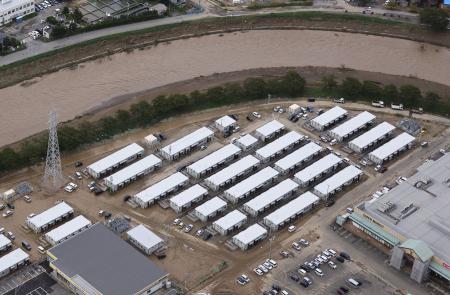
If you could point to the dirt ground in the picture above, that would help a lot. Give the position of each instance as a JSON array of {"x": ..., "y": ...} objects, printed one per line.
[
  {"x": 189, "y": 259},
  {"x": 15, "y": 74}
]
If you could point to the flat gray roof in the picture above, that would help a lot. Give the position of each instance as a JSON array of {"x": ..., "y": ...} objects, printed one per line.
[
  {"x": 188, "y": 195},
  {"x": 116, "y": 158},
  {"x": 317, "y": 167},
  {"x": 134, "y": 169},
  {"x": 68, "y": 228},
  {"x": 298, "y": 156},
  {"x": 162, "y": 187},
  {"x": 252, "y": 182},
  {"x": 272, "y": 194},
  {"x": 338, "y": 179},
  {"x": 187, "y": 141},
  {"x": 230, "y": 220},
  {"x": 247, "y": 140},
  {"x": 353, "y": 124},
  {"x": 279, "y": 144},
  {"x": 329, "y": 116},
  {"x": 420, "y": 213},
  {"x": 233, "y": 170},
  {"x": 393, "y": 145},
  {"x": 372, "y": 135},
  {"x": 270, "y": 128},
  {"x": 293, "y": 207},
  {"x": 214, "y": 158},
  {"x": 99, "y": 258},
  {"x": 144, "y": 236},
  {"x": 50, "y": 214},
  {"x": 250, "y": 234},
  {"x": 211, "y": 206}
]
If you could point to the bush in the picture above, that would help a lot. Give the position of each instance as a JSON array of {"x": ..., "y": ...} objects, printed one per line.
[
  {"x": 350, "y": 88},
  {"x": 328, "y": 83},
  {"x": 52, "y": 20},
  {"x": 435, "y": 18},
  {"x": 410, "y": 96}
]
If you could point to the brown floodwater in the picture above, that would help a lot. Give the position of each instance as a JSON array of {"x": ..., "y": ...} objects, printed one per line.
[{"x": 24, "y": 108}]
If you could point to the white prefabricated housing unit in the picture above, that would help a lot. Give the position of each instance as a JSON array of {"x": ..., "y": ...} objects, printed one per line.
[
  {"x": 229, "y": 174},
  {"x": 250, "y": 236},
  {"x": 160, "y": 189},
  {"x": 5, "y": 243},
  {"x": 293, "y": 109},
  {"x": 225, "y": 123},
  {"x": 188, "y": 197},
  {"x": 317, "y": 169},
  {"x": 247, "y": 142},
  {"x": 297, "y": 158},
  {"x": 49, "y": 217},
  {"x": 291, "y": 210},
  {"x": 337, "y": 182},
  {"x": 210, "y": 208},
  {"x": 144, "y": 239},
  {"x": 185, "y": 144},
  {"x": 214, "y": 160},
  {"x": 350, "y": 127},
  {"x": 330, "y": 117},
  {"x": 151, "y": 141},
  {"x": 391, "y": 148},
  {"x": 279, "y": 146},
  {"x": 269, "y": 130},
  {"x": 12, "y": 261},
  {"x": 115, "y": 160},
  {"x": 272, "y": 196},
  {"x": 9, "y": 195},
  {"x": 233, "y": 220},
  {"x": 249, "y": 185},
  {"x": 130, "y": 173},
  {"x": 67, "y": 230},
  {"x": 371, "y": 137}
]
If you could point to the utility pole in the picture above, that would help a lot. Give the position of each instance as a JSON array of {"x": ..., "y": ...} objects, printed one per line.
[{"x": 53, "y": 177}]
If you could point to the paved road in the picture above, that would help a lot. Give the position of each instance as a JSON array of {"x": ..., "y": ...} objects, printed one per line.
[{"x": 35, "y": 47}]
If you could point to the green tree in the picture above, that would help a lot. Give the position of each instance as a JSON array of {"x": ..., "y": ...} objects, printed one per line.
[
  {"x": 65, "y": 11},
  {"x": 410, "y": 96},
  {"x": 435, "y": 18},
  {"x": 77, "y": 16},
  {"x": 371, "y": 90},
  {"x": 292, "y": 84},
  {"x": 329, "y": 83},
  {"x": 58, "y": 31},
  {"x": 390, "y": 93},
  {"x": 52, "y": 20},
  {"x": 351, "y": 88},
  {"x": 255, "y": 88},
  {"x": 431, "y": 102}
]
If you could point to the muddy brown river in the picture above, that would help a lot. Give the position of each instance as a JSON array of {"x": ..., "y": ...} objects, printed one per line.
[{"x": 24, "y": 108}]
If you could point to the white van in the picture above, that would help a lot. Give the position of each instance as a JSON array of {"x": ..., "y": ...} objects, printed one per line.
[{"x": 353, "y": 282}]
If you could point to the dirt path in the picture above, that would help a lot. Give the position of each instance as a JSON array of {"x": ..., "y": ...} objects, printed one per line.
[{"x": 74, "y": 91}]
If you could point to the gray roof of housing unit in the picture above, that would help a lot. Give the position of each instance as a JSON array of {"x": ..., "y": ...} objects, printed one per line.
[
  {"x": 233, "y": 170},
  {"x": 337, "y": 180},
  {"x": 230, "y": 220},
  {"x": 318, "y": 167},
  {"x": 279, "y": 144},
  {"x": 162, "y": 187},
  {"x": 211, "y": 206},
  {"x": 4, "y": 241},
  {"x": 116, "y": 158},
  {"x": 50, "y": 214},
  {"x": 225, "y": 121},
  {"x": 298, "y": 156},
  {"x": 372, "y": 135},
  {"x": 411, "y": 126},
  {"x": 247, "y": 140},
  {"x": 393, "y": 145},
  {"x": 144, "y": 236},
  {"x": 353, "y": 124},
  {"x": 252, "y": 182},
  {"x": 419, "y": 208},
  {"x": 214, "y": 158},
  {"x": 270, "y": 128},
  {"x": 134, "y": 169},
  {"x": 293, "y": 207},
  {"x": 272, "y": 194},
  {"x": 12, "y": 258},
  {"x": 330, "y": 116},
  {"x": 187, "y": 141},
  {"x": 99, "y": 258},
  {"x": 250, "y": 234},
  {"x": 188, "y": 195},
  {"x": 68, "y": 228}
]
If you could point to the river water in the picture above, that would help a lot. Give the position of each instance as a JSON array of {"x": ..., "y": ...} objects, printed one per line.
[{"x": 24, "y": 108}]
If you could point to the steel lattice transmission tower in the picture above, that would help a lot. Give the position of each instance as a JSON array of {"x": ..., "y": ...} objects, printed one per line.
[{"x": 53, "y": 177}]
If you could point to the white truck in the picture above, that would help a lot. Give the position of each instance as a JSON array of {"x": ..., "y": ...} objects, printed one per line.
[
  {"x": 378, "y": 104},
  {"x": 397, "y": 106},
  {"x": 340, "y": 100}
]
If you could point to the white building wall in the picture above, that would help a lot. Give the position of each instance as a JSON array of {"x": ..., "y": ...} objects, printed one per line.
[{"x": 15, "y": 8}]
